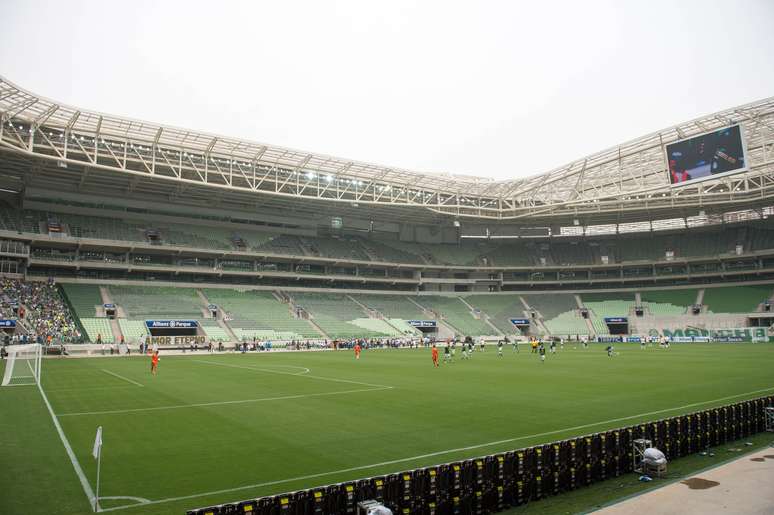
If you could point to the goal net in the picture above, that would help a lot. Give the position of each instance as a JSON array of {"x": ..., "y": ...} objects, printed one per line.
[{"x": 22, "y": 365}]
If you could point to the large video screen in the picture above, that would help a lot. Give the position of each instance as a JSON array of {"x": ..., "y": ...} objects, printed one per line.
[{"x": 706, "y": 156}]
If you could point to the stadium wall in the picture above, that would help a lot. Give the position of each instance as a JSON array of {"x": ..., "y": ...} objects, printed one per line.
[
  {"x": 390, "y": 277},
  {"x": 247, "y": 287}
]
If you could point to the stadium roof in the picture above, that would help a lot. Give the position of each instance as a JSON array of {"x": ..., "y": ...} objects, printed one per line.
[{"x": 44, "y": 142}]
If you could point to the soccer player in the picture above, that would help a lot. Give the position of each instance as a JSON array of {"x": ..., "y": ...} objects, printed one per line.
[
  {"x": 464, "y": 351},
  {"x": 542, "y": 352},
  {"x": 435, "y": 355},
  {"x": 482, "y": 344},
  {"x": 500, "y": 349},
  {"x": 553, "y": 347},
  {"x": 609, "y": 351},
  {"x": 446, "y": 354},
  {"x": 357, "y": 351},
  {"x": 154, "y": 362}
]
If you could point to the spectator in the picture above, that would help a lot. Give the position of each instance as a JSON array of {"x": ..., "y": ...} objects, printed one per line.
[{"x": 43, "y": 308}]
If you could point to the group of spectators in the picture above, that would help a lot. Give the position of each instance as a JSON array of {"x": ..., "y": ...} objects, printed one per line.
[
  {"x": 382, "y": 343},
  {"x": 40, "y": 308},
  {"x": 365, "y": 343}
]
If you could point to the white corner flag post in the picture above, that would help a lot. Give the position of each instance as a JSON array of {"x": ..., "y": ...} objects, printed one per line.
[{"x": 97, "y": 453}]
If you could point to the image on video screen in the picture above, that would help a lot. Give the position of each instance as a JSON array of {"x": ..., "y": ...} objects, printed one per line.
[{"x": 710, "y": 154}]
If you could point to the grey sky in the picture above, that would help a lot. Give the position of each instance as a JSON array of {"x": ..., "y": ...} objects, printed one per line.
[{"x": 501, "y": 89}]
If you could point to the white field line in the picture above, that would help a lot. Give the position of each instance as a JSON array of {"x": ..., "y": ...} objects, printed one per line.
[
  {"x": 304, "y": 370},
  {"x": 440, "y": 453},
  {"x": 19, "y": 384},
  {"x": 130, "y": 497},
  {"x": 121, "y": 377},
  {"x": 92, "y": 388},
  {"x": 77, "y": 466},
  {"x": 220, "y": 403},
  {"x": 335, "y": 380}
]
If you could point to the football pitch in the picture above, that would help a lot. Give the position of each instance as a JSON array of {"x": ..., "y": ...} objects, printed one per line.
[{"x": 212, "y": 428}]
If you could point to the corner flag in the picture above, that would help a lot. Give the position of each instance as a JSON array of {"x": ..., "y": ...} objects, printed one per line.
[
  {"x": 97, "y": 453},
  {"x": 97, "y": 443}
]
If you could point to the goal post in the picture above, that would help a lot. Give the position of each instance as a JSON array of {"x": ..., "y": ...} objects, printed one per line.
[{"x": 22, "y": 365}]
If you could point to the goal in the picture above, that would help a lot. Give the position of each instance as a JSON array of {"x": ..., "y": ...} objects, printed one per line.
[{"x": 22, "y": 366}]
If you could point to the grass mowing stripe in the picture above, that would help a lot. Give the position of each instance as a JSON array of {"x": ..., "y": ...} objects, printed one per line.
[
  {"x": 219, "y": 403},
  {"x": 121, "y": 377},
  {"x": 336, "y": 380},
  {"x": 96, "y": 388},
  {"x": 304, "y": 370},
  {"x": 77, "y": 466},
  {"x": 441, "y": 453},
  {"x": 430, "y": 409}
]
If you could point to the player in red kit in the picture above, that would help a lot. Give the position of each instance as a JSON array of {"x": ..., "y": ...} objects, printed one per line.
[
  {"x": 435, "y": 355},
  {"x": 357, "y": 351},
  {"x": 154, "y": 362}
]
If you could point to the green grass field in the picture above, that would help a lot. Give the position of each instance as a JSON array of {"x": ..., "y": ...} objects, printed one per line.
[{"x": 216, "y": 428}]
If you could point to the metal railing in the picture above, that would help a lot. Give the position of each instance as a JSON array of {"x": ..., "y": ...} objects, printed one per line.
[{"x": 17, "y": 248}]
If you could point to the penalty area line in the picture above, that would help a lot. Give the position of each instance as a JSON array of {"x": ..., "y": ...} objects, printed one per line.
[
  {"x": 439, "y": 453},
  {"x": 335, "y": 380},
  {"x": 220, "y": 403},
  {"x": 119, "y": 376},
  {"x": 139, "y": 500}
]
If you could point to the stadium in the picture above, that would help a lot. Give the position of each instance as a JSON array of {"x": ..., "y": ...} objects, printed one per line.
[{"x": 255, "y": 270}]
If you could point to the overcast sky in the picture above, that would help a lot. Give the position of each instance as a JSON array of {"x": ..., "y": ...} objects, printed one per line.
[{"x": 498, "y": 89}]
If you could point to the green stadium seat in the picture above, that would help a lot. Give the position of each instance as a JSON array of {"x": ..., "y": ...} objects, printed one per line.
[
  {"x": 335, "y": 314},
  {"x": 214, "y": 331},
  {"x": 84, "y": 298},
  {"x": 500, "y": 309},
  {"x": 736, "y": 299},
  {"x": 391, "y": 306},
  {"x": 133, "y": 330},
  {"x": 668, "y": 302},
  {"x": 457, "y": 314},
  {"x": 98, "y": 326},
  {"x": 158, "y": 303},
  {"x": 551, "y": 305},
  {"x": 258, "y": 314}
]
